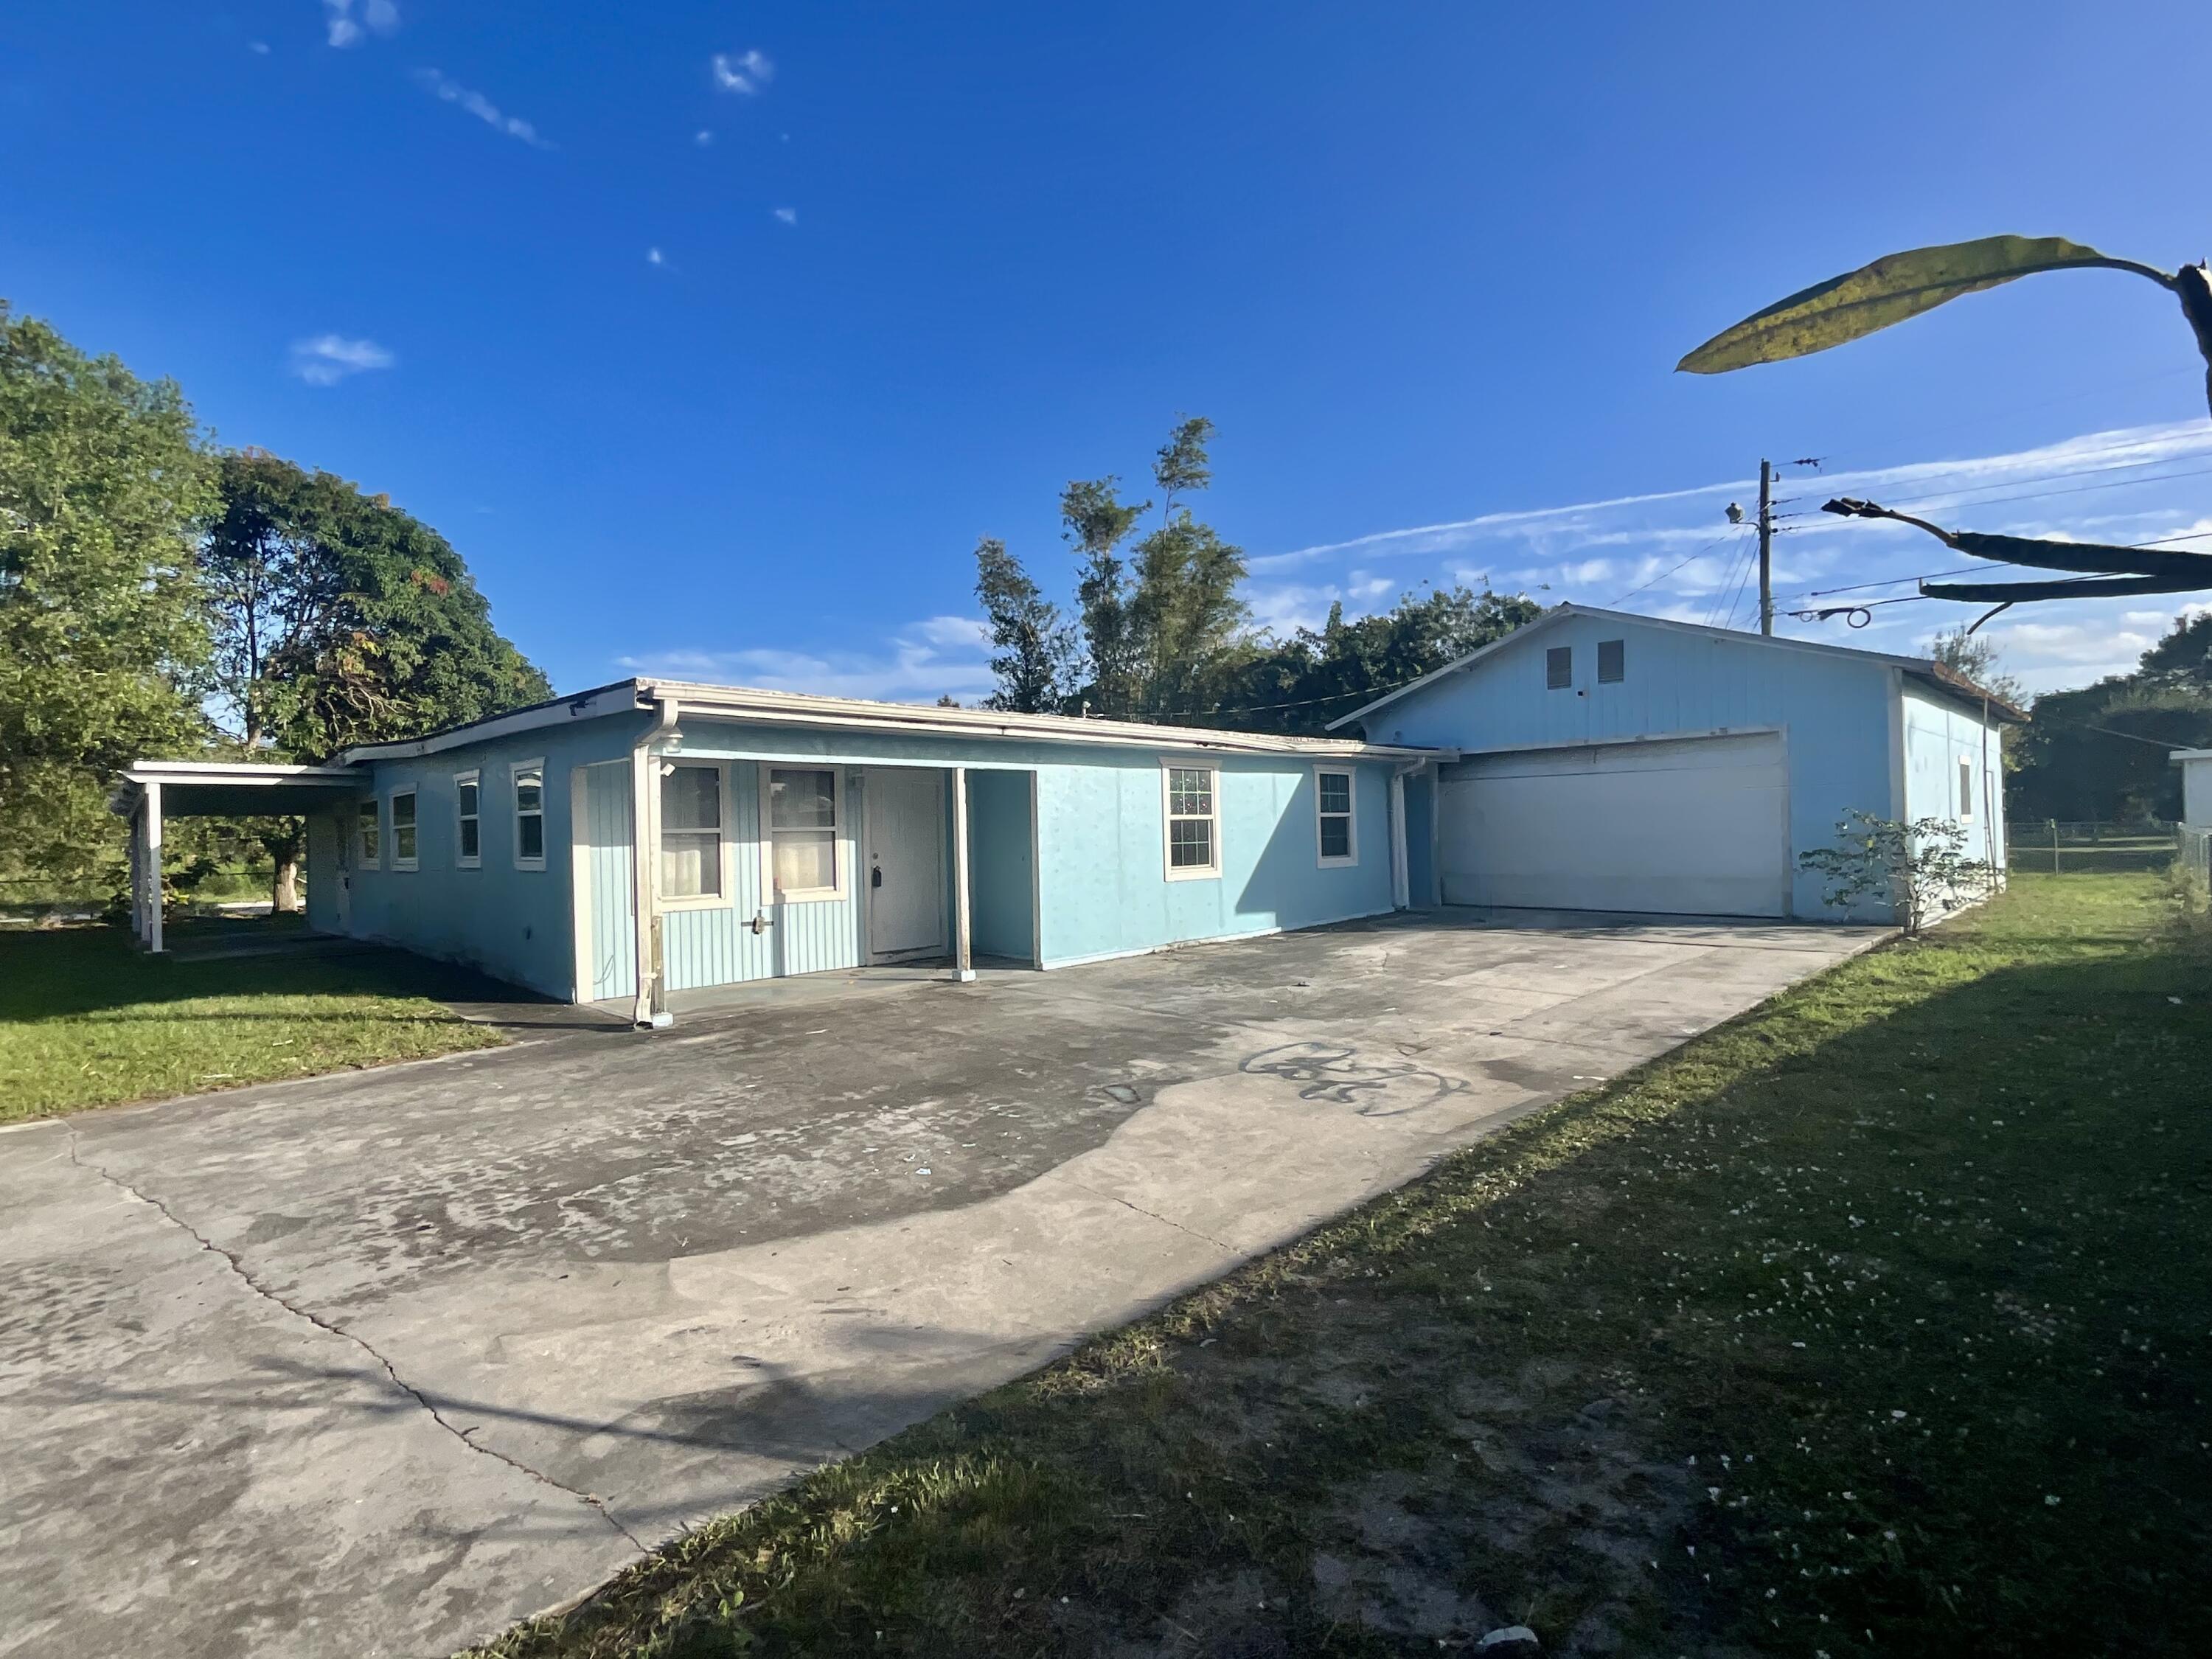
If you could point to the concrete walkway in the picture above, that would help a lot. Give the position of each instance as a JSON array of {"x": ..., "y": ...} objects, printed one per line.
[{"x": 378, "y": 1364}]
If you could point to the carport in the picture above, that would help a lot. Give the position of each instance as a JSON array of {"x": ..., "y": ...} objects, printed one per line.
[{"x": 152, "y": 791}]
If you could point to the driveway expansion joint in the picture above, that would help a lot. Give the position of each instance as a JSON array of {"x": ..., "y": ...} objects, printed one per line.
[
  {"x": 238, "y": 1267},
  {"x": 1116, "y": 1198}
]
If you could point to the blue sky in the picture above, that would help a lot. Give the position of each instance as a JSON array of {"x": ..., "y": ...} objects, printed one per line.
[{"x": 713, "y": 336}]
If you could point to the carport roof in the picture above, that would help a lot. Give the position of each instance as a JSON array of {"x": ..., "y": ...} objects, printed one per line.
[
  {"x": 1941, "y": 675},
  {"x": 231, "y": 788}
]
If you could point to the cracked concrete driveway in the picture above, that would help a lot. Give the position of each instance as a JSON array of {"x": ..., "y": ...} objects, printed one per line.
[{"x": 379, "y": 1363}]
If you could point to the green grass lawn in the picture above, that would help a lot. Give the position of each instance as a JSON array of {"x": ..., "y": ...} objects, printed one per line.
[
  {"x": 1877, "y": 1321},
  {"x": 87, "y": 1019}
]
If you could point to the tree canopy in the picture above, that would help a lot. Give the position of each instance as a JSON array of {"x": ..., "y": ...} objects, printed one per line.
[
  {"x": 2101, "y": 751},
  {"x": 339, "y": 619},
  {"x": 1160, "y": 629},
  {"x": 101, "y": 630}
]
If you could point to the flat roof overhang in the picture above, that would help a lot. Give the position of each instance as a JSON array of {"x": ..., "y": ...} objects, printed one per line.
[{"x": 232, "y": 789}]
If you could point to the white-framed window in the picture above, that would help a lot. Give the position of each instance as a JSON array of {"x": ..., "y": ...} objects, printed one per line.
[
  {"x": 403, "y": 843},
  {"x": 1965, "y": 787},
  {"x": 693, "y": 807},
  {"x": 468, "y": 821},
  {"x": 1190, "y": 798},
  {"x": 369, "y": 834},
  {"x": 1558, "y": 668},
  {"x": 1337, "y": 840},
  {"x": 529, "y": 814},
  {"x": 802, "y": 812}
]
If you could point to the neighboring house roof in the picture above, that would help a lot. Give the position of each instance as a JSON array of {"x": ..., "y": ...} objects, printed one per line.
[
  {"x": 2181, "y": 755},
  {"x": 800, "y": 709},
  {"x": 1942, "y": 677}
]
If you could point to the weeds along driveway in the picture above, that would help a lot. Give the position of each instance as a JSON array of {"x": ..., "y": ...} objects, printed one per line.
[{"x": 378, "y": 1364}]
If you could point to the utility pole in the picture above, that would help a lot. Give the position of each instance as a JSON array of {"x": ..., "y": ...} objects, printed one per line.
[{"x": 1765, "y": 547}]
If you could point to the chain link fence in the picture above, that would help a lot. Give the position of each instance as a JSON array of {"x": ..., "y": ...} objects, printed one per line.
[
  {"x": 2054, "y": 847},
  {"x": 2195, "y": 853}
]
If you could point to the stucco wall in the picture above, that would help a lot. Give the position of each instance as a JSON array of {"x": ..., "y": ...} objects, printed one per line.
[
  {"x": 1104, "y": 880},
  {"x": 1001, "y": 869},
  {"x": 1939, "y": 734}
]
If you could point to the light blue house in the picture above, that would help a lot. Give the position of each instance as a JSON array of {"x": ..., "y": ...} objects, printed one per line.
[
  {"x": 785, "y": 834},
  {"x": 1592, "y": 761},
  {"x": 1614, "y": 762}
]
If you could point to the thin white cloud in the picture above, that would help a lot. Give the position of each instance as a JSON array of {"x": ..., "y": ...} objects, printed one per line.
[
  {"x": 703, "y": 137},
  {"x": 259, "y": 48},
  {"x": 935, "y": 657},
  {"x": 788, "y": 215},
  {"x": 346, "y": 24},
  {"x": 743, "y": 73},
  {"x": 451, "y": 92},
  {"x": 1672, "y": 552},
  {"x": 654, "y": 257},
  {"x": 326, "y": 359}
]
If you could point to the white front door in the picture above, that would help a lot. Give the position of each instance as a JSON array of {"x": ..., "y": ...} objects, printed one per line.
[{"x": 905, "y": 872}]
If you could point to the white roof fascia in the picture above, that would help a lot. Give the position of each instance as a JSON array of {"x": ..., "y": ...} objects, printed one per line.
[
  {"x": 2181, "y": 755},
  {"x": 621, "y": 698},
  {"x": 238, "y": 772},
  {"x": 796, "y": 709}
]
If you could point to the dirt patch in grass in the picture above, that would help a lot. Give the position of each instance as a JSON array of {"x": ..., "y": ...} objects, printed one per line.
[
  {"x": 1878, "y": 1321},
  {"x": 87, "y": 1019}
]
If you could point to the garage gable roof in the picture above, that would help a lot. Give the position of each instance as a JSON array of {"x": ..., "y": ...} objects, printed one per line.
[{"x": 1939, "y": 675}]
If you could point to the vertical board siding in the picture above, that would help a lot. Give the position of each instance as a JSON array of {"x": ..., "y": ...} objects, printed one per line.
[
  {"x": 714, "y": 945},
  {"x": 613, "y": 942}
]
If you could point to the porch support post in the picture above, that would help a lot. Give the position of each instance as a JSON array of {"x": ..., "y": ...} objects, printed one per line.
[
  {"x": 154, "y": 866},
  {"x": 651, "y": 1008},
  {"x": 964, "y": 953},
  {"x": 137, "y": 882},
  {"x": 1400, "y": 877},
  {"x": 1436, "y": 834}
]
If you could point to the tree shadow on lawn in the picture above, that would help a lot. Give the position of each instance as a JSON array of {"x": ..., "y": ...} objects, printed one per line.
[
  {"x": 1874, "y": 1321},
  {"x": 66, "y": 972}
]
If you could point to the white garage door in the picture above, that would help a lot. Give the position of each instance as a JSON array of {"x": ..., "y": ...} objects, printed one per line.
[{"x": 1700, "y": 826}]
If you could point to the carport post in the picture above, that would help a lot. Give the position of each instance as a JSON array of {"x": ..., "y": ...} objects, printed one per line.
[
  {"x": 963, "y": 956},
  {"x": 154, "y": 866}
]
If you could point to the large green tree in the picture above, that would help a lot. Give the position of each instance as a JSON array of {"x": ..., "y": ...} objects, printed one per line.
[
  {"x": 339, "y": 619},
  {"x": 1162, "y": 631},
  {"x": 102, "y": 631},
  {"x": 2101, "y": 751}
]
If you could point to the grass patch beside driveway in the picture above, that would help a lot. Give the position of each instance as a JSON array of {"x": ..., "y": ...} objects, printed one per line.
[
  {"x": 1877, "y": 1321},
  {"x": 87, "y": 1019}
]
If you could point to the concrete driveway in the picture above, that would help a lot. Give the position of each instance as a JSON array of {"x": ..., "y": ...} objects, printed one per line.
[{"x": 380, "y": 1364}]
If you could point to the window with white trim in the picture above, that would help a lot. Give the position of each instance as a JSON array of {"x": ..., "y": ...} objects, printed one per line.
[
  {"x": 691, "y": 834},
  {"x": 368, "y": 834},
  {"x": 1558, "y": 668},
  {"x": 468, "y": 821},
  {"x": 403, "y": 830},
  {"x": 1193, "y": 801},
  {"x": 1966, "y": 788},
  {"x": 529, "y": 815},
  {"x": 802, "y": 816},
  {"x": 1333, "y": 815}
]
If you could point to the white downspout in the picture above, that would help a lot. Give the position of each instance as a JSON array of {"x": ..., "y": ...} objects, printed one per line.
[{"x": 651, "y": 1007}]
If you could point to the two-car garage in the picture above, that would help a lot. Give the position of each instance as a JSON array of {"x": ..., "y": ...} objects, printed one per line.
[{"x": 1697, "y": 826}]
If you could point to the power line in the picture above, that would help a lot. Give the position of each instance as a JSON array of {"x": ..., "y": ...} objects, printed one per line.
[{"x": 1692, "y": 559}]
